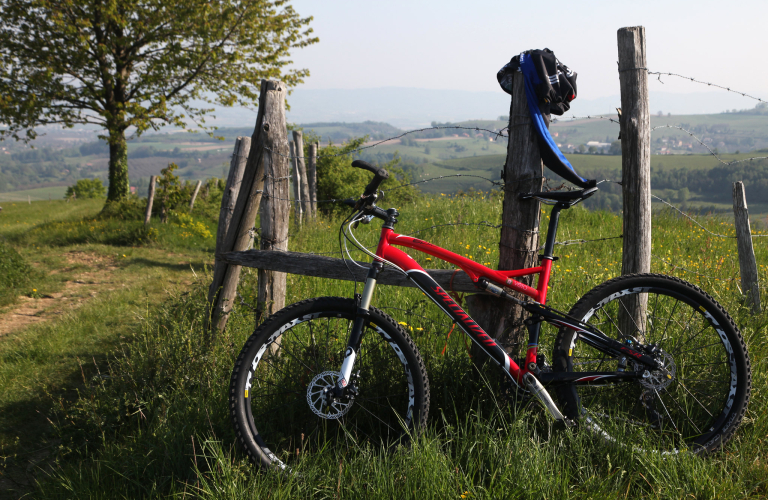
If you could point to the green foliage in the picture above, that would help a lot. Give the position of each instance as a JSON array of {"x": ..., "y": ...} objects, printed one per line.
[
  {"x": 155, "y": 422},
  {"x": 337, "y": 179},
  {"x": 170, "y": 193},
  {"x": 139, "y": 65},
  {"x": 131, "y": 208},
  {"x": 14, "y": 274},
  {"x": 86, "y": 188}
]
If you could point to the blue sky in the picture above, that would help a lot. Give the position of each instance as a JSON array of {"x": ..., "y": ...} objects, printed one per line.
[{"x": 460, "y": 45}]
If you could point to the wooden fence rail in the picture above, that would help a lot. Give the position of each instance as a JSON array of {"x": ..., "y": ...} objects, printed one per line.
[{"x": 321, "y": 266}]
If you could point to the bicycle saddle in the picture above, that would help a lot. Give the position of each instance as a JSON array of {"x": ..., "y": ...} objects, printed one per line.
[{"x": 566, "y": 197}]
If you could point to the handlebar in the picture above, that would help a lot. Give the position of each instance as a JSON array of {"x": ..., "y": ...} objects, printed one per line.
[
  {"x": 375, "y": 211},
  {"x": 380, "y": 176}
]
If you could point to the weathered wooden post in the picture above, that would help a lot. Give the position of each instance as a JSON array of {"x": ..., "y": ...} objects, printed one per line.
[
  {"x": 747, "y": 264},
  {"x": 298, "y": 142},
  {"x": 226, "y": 213},
  {"x": 268, "y": 141},
  {"x": 519, "y": 242},
  {"x": 150, "y": 199},
  {"x": 298, "y": 212},
  {"x": 312, "y": 178},
  {"x": 635, "y": 124},
  {"x": 194, "y": 195},
  {"x": 275, "y": 212}
]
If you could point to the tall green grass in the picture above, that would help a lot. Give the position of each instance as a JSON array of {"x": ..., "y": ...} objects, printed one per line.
[
  {"x": 14, "y": 274},
  {"x": 156, "y": 422}
]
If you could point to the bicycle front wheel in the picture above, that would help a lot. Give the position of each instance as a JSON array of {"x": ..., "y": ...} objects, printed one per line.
[
  {"x": 277, "y": 385},
  {"x": 697, "y": 404}
]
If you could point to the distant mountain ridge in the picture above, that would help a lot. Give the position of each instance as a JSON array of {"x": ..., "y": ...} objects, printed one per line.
[{"x": 408, "y": 108}]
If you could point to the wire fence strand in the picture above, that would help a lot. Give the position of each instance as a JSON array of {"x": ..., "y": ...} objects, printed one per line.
[{"x": 743, "y": 94}]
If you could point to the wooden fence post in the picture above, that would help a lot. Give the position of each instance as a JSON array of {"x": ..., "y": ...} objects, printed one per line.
[
  {"x": 270, "y": 119},
  {"x": 275, "y": 211},
  {"x": 635, "y": 124},
  {"x": 519, "y": 241},
  {"x": 150, "y": 199},
  {"x": 194, "y": 195},
  {"x": 298, "y": 142},
  {"x": 226, "y": 213},
  {"x": 296, "y": 183},
  {"x": 747, "y": 264},
  {"x": 312, "y": 178}
]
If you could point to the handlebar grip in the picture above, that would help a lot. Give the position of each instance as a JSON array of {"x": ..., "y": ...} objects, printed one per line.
[{"x": 381, "y": 176}]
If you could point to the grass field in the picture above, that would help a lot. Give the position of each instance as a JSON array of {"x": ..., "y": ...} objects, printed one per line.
[
  {"x": 47, "y": 193},
  {"x": 122, "y": 397}
]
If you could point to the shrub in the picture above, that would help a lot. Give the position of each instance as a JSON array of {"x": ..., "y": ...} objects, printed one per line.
[
  {"x": 129, "y": 208},
  {"x": 14, "y": 274},
  {"x": 86, "y": 188},
  {"x": 172, "y": 194},
  {"x": 336, "y": 179}
]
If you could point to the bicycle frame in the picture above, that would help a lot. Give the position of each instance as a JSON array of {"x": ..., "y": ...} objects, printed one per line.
[{"x": 493, "y": 281}]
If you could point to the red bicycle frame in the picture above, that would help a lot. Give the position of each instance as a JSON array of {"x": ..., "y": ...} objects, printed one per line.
[{"x": 477, "y": 272}]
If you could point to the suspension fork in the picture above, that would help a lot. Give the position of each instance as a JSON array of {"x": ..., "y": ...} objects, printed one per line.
[{"x": 356, "y": 335}]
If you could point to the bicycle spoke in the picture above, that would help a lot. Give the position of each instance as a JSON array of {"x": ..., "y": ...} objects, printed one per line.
[
  {"x": 665, "y": 409},
  {"x": 695, "y": 398}
]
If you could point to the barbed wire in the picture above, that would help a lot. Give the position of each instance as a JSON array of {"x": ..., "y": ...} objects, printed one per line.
[
  {"x": 690, "y": 270},
  {"x": 484, "y": 223},
  {"x": 698, "y": 224},
  {"x": 582, "y": 241},
  {"x": 497, "y": 133},
  {"x": 708, "y": 148},
  {"x": 744, "y": 94},
  {"x": 589, "y": 117},
  {"x": 383, "y": 191}
]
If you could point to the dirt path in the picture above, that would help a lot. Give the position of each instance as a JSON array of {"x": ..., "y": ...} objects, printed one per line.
[{"x": 92, "y": 273}]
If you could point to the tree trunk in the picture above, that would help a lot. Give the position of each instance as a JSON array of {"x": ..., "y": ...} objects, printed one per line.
[
  {"x": 119, "y": 186},
  {"x": 519, "y": 241}
]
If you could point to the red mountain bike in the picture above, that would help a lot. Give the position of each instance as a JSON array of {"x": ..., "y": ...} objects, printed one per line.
[{"x": 646, "y": 360}]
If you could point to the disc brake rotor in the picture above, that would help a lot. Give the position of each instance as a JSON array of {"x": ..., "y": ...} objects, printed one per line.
[
  {"x": 321, "y": 400},
  {"x": 661, "y": 378}
]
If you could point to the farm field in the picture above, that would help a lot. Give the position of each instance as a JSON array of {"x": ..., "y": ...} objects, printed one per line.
[
  {"x": 46, "y": 193},
  {"x": 123, "y": 394},
  {"x": 200, "y": 155}
]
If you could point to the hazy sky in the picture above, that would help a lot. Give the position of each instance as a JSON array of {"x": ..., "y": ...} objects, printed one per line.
[{"x": 460, "y": 45}]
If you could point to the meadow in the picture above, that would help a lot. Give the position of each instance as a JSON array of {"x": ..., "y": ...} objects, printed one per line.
[{"x": 126, "y": 398}]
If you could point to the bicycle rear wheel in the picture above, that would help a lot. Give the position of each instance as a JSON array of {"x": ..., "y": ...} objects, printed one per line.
[
  {"x": 701, "y": 402},
  {"x": 280, "y": 375}
]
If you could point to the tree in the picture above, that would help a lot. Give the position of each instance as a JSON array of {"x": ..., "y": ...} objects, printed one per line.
[
  {"x": 138, "y": 64},
  {"x": 86, "y": 188}
]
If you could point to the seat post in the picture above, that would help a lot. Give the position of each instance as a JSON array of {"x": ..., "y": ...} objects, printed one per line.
[{"x": 554, "y": 218}]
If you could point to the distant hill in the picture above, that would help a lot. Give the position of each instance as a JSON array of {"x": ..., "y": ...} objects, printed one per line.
[{"x": 67, "y": 156}]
